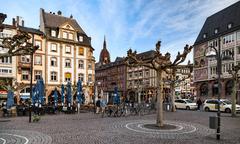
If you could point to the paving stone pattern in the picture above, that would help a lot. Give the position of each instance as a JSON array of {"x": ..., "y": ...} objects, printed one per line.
[{"x": 89, "y": 128}]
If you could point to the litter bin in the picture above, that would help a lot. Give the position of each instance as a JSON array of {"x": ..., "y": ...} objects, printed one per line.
[{"x": 213, "y": 122}]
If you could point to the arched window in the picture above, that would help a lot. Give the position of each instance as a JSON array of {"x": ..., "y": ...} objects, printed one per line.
[
  {"x": 204, "y": 89},
  {"x": 215, "y": 88},
  {"x": 68, "y": 63},
  {"x": 53, "y": 61},
  {"x": 228, "y": 87}
]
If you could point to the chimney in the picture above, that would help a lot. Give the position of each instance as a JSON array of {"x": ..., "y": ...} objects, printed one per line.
[
  {"x": 54, "y": 13},
  {"x": 71, "y": 16},
  {"x": 17, "y": 24},
  {"x": 50, "y": 12},
  {"x": 13, "y": 22},
  {"x": 59, "y": 12},
  {"x": 23, "y": 23}
]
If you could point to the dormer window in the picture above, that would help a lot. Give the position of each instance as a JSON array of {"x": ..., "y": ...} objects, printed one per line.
[
  {"x": 216, "y": 31},
  {"x": 81, "y": 38},
  {"x": 53, "y": 33},
  {"x": 230, "y": 25},
  {"x": 204, "y": 35}
]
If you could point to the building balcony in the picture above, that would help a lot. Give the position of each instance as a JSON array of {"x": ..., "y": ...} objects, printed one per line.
[{"x": 24, "y": 65}]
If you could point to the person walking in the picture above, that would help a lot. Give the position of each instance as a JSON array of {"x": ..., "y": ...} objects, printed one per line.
[{"x": 199, "y": 103}]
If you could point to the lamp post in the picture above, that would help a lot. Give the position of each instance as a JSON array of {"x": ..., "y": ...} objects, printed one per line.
[{"x": 216, "y": 52}]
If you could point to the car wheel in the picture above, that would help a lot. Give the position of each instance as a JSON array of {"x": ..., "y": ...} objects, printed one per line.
[
  {"x": 206, "y": 109},
  {"x": 187, "y": 108},
  {"x": 227, "y": 110}
]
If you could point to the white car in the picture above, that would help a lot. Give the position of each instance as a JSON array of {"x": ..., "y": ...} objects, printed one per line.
[
  {"x": 225, "y": 105},
  {"x": 185, "y": 104}
]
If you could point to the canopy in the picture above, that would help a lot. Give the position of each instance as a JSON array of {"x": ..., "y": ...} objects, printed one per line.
[
  {"x": 62, "y": 93},
  {"x": 79, "y": 92},
  {"x": 10, "y": 100},
  {"x": 69, "y": 92}
]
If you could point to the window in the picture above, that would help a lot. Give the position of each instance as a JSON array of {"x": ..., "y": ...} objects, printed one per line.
[
  {"x": 67, "y": 77},
  {"x": 25, "y": 59},
  {"x": 25, "y": 75},
  {"x": 65, "y": 35},
  {"x": 80, "y": 51},
  {"x": 147, "y": 73},
  {"x": 130, "y": 75},
  {"x": 68, "y": 63},
  {"x": 238, "y": 50},
  {"x": 89, "y": 65},
  {"x": 37, "y": 75},
  {"x": 53, "y": 76},
  {"x": 53, "y": 33},
  {"x": 68, "y": 49},
  {"x": 53, "y": 61},
  {"x": 6, "y": 60},
  {"x": 89, "y": 77},
  {"x": 238, "y": 35},
  {"x": 204, "y": 36},
  {"x": 81, "y": 38},
  {"x": 53, "y": 47},
  {"x": 38, "y": 60},
  {"x": 81, "y": 64},
  {"x": 5, "y": 71},
  {"x": 39, "y": 44},
  {"x": 81, "y": 76},
  {"x": 70, "y": 36},
  {"x": 229, "y": 25}
]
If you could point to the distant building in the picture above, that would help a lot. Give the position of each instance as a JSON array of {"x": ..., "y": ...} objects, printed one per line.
[
  {"x": 110, "y": 74},
  {"x": 223, "y": 25}
]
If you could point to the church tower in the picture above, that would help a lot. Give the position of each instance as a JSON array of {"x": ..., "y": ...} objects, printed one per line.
[{"x": 104, "y": 55}]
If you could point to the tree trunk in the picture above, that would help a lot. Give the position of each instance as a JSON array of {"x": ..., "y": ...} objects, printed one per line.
[
  {"x": 159, "y": 99},
  {"x": 172, "y": 87},
  {"x": 234, "y": 97}
]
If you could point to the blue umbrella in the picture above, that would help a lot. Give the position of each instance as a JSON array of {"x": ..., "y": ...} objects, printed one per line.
[
  {"x": 41, "y": 90},
  {"x": 79, "y": 91},
  {"x": 116, "y": 96},
  {"x": 69, "y": 93},
  {"x": 10, "y": 100},
  {"x": 62, "y": 93},
  {"x": 34, "y": 95},
  {"x": 55, "y": 97}
]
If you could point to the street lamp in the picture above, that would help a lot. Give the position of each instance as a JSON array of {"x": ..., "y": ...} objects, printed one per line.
[{"x": 213, "y": 52}]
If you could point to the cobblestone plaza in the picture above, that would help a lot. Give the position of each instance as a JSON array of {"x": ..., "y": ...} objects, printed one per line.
[{"x": 83, "y": 128}]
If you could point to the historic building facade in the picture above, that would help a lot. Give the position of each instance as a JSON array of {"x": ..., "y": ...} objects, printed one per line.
[
  {"x": 69, "y": 54},
  {"x": 223, "y": 27},
  {"x": 110, "y": 74},
  {"x": 142, "y": 81},
  {"x": 184, "y": 87},
  {"x": 7, "y": 64}
]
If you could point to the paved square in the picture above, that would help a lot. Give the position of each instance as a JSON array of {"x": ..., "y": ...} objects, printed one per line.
[{"x": 89, "y": 128}]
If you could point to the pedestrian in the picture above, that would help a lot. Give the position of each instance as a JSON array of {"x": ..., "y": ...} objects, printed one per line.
[
  {"x": 98, "y": 104},
  {"x": 199, "y": 103},
  {"x": 4, "y": 106}
]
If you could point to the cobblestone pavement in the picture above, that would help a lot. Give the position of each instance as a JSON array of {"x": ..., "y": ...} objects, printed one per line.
[{"x": 89, "y": 128}]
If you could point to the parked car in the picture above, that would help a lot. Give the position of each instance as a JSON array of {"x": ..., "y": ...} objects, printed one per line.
[
  {"x": 185, "y": 104},
  {"x": 225, "y": 105}
]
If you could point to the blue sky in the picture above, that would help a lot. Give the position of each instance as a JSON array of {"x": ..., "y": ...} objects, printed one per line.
[{"x": 136, "y": 24}]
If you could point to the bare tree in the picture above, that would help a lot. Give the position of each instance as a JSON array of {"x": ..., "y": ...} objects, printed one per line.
[{"x": 159, "y": 63}]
